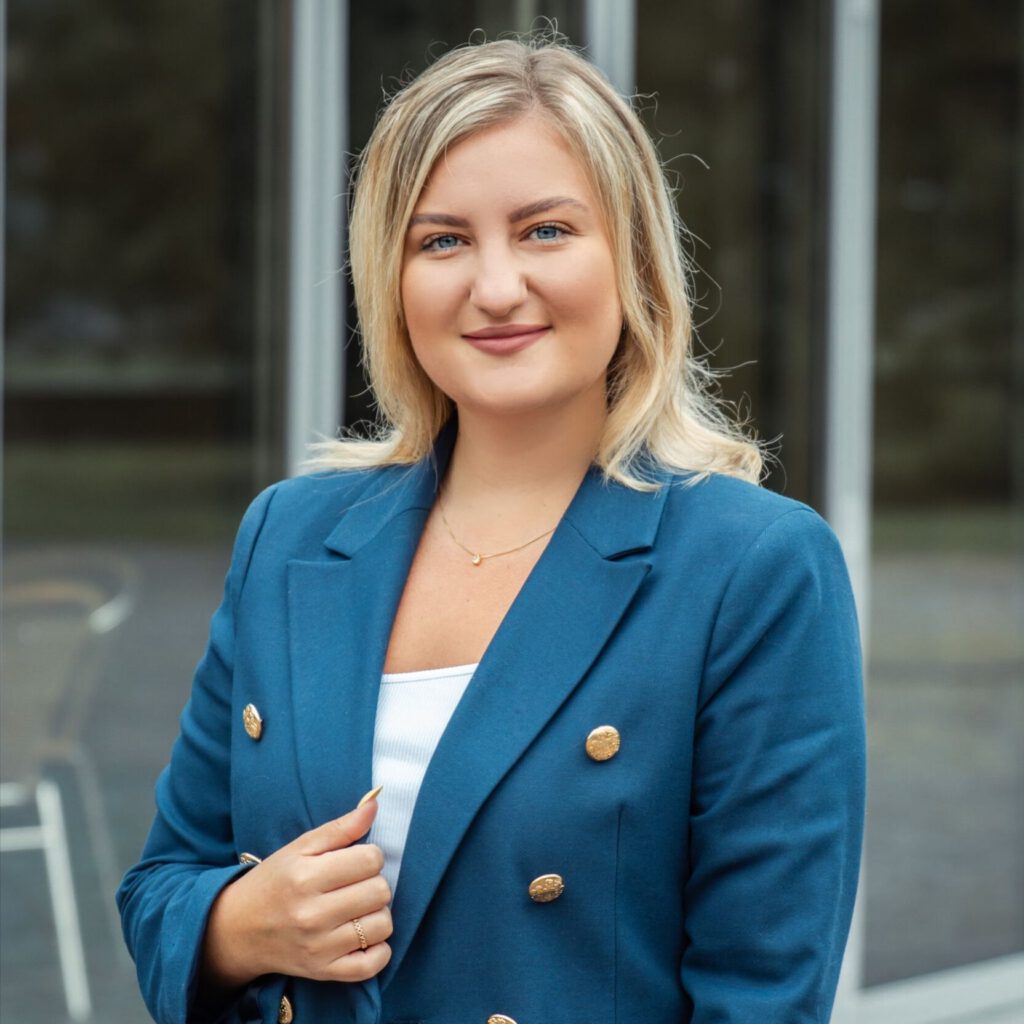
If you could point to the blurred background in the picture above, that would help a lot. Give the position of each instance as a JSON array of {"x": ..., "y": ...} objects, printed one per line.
[{"x": 177, "y": 326}]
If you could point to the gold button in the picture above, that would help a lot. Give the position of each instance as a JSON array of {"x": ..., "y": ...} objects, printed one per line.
[
  {"x": 252, "y": 721},
  {"x": 603, "y": 742},
  {"x": 546, "y": 888},
  {"x": 249, "y": 858},
  {"x": 285, "y": 1015},
  {"x": 499, "y": 1018}
]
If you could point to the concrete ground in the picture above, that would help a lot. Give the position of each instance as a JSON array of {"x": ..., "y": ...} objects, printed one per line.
[
  {"x": 945, "y": 845},
  {"x": 944, "y": 852}
]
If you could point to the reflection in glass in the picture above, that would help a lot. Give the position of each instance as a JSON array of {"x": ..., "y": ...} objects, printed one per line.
[
  {"x": 734, "y": 95},
  {"x": 138, "y": 421},
  {"x": 945, "y": 846}
]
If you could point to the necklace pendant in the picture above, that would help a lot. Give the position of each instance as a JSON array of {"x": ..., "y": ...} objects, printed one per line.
[{"x": 477, "y": 559}]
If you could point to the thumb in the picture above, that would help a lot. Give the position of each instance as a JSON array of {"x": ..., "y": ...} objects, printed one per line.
[{"x": 344, "y": 831}]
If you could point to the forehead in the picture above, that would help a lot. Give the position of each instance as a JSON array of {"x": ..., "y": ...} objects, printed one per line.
[{"x": 508, "y": 165}]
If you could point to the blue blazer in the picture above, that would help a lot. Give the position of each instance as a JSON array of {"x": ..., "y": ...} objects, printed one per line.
[{"x": 709, "y": 866}]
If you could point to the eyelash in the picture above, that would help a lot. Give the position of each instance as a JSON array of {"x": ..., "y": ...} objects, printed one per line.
[
  {"x": 427, "y": 244},
  {"x": 551, "y": 224}
]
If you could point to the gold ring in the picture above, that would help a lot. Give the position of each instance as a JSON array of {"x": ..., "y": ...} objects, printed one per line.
[{"x": 357, "y": 924}]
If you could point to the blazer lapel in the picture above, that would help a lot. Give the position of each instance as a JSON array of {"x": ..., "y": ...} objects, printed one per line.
[
  {"x": 571, "y": 602},
  {"x": 340, "y": 614},
  {"x": 340, "y": 617}
]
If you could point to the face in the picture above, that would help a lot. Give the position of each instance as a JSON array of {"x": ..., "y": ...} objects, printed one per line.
[{"x": 508, "y": 278}]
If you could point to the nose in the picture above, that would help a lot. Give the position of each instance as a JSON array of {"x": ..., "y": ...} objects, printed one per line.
[{"x": 499, "y": 284}]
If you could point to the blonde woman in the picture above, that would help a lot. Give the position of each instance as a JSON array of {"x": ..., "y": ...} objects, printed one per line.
[{"x": 609, "y": 685}]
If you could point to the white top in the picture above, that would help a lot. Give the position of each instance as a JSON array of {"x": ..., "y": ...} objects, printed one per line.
[{"x": 412, "y": 711}]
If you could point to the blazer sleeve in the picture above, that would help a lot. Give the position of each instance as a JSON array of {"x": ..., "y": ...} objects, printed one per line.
[
  {"x": 777, "y": 804},
  {"x": 189, "y": 856}
]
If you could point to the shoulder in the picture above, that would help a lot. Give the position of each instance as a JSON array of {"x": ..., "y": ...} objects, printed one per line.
[
  {"x": 723, "y": 510},
  {"x": 776, "y": 579},
  {"x": 330, "y": 492},
  {"x": 296, "y": 514},
  {"x": 738, "y": 529}
]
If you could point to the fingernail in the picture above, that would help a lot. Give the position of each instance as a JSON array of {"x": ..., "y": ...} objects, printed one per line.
[{"x": 372, "y": 795}]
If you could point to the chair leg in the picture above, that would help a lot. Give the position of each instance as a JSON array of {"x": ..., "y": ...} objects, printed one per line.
[
  {"x": 62, "y": 897},
  {"x": 102, "y": 846}
]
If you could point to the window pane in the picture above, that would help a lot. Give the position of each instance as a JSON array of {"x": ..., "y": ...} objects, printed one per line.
[
  {"x": 945, "y": 847},
  {"x": 140, "y": 399},
  {"x": 738, "y": 109}
]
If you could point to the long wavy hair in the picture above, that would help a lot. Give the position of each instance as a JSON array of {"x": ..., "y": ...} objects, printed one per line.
[{"x": 663, "y": 404}]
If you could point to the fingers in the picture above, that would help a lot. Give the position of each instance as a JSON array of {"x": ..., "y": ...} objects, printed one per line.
[
  {"x": 356, "y": 963},
  {"x": 326, "y": 916},
  {"x": 318, "y": 930},
  {"x": 339, "y": 868},
  {"x": 361, "y": 964},
  {"x": 377, "y": 927},
  {"x": 357, "y": 900},
  {"x": 340, "y": 832}
]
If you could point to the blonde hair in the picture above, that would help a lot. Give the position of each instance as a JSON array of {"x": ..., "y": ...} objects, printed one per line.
[{"x": 662, "y": 400}]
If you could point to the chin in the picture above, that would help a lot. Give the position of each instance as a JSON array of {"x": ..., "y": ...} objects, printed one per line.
[
  {"x": 510, "y": 400},
  {"x": 508, "y": 406}
]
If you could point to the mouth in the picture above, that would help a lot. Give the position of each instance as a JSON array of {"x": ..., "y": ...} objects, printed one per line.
[{"x": 506, "y": 340}]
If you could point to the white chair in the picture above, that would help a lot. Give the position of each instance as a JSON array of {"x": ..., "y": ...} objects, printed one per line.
[{"x": 59, "y": 610}]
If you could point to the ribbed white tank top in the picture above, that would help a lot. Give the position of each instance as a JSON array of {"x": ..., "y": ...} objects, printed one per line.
[{"x": 412, "y": 711}]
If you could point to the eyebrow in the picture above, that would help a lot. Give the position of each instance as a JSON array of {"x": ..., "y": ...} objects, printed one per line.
[{"x": 522, "y": 213}]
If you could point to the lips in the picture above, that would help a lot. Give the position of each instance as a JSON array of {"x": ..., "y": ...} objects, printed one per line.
[{"x": 507, "y": 339}]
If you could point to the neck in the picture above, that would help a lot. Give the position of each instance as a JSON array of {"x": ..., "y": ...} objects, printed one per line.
[{"x": 508, "y": 474}]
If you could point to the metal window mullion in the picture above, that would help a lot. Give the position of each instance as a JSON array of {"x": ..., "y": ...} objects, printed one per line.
[
  {"x": 609, "y": 31},
  {"x": 317, "y": 207},
  {"x": 850, "y": 336}
]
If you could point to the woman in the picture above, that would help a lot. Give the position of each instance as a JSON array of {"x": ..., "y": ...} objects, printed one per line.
[{"x": 611, "y": 687}]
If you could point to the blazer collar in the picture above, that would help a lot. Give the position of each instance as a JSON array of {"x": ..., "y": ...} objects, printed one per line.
[{"x": 614, "y": 520}]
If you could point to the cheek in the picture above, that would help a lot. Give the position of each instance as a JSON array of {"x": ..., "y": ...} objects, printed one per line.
[
  {"x": 427, "y": 312},
  {"x": 587, "y": 301},
  {"x": 587, "y": 289},
  {"x": 413, "y": 295},
  {"x": 428, "y": 295}
]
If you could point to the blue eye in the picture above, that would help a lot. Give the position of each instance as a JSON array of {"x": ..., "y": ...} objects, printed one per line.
[
  {"x": 441, "y": 242},
  {"x": 548, "y": 232}
]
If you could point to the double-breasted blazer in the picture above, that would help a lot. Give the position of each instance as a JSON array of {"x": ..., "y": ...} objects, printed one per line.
[{"x": 709, "y": 866}]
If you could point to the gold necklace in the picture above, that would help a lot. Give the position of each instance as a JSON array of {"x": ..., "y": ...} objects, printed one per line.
[{"x": 476, "y": 557}]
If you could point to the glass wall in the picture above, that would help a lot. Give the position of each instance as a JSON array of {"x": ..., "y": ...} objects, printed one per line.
[
  {"x": 945, "y": 848},
  {"x": 141, "y": 412},
  {"x": 737, "y": 95}
]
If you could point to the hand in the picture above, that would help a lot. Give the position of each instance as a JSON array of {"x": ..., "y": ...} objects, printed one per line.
[{"x": 292, "y": 914}]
